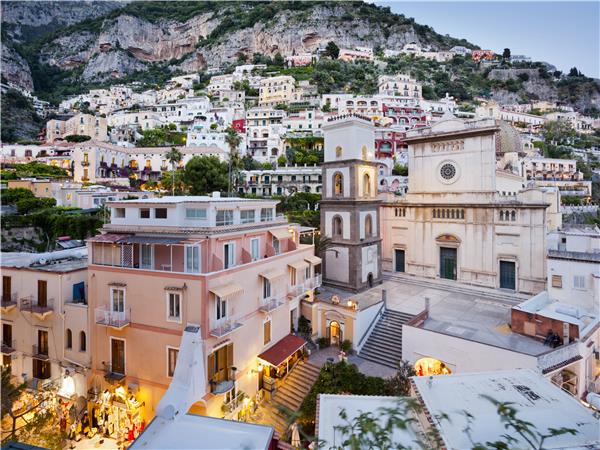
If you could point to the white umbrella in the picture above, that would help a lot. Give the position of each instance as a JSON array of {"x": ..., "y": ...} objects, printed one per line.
[{"x": 295, "y": 436}]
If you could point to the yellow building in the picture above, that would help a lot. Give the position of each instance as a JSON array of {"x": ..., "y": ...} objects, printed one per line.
[{"x": 277, "y": 90}]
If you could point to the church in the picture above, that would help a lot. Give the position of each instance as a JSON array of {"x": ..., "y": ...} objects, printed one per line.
[{"x": 453, "y": 223}]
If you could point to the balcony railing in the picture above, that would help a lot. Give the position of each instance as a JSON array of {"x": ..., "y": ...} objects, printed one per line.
[
  {"x": 223, "y": 383},
  {"x": 109, "y": 318},
  {"x": 270, "y": 304},
  {"x": 9, "y": 300},
  {"x": 314, "y": 282},
  {"x": 8, "y": 347},
  {"x": 558, "y": 356},
  {"x": 85, "y": 163},
  {"x": 113, "y": 372},
  {"x": 40, "y": 352},
  {"x": 297, "y": 289},
  {"x": 35, "y": 306},
  {"x": 222, "y": 328}
]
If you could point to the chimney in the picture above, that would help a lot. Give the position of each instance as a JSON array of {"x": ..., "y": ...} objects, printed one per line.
[{"x": 216, "y": 194}]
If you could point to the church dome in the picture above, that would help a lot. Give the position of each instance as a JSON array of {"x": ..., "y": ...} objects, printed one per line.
[{"x": 508, "y": 139}]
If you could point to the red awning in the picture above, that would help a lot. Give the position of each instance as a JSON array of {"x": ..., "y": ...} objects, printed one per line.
[
  {"x": 281, "y": 351},
  {"x": 108, "y": 237}
]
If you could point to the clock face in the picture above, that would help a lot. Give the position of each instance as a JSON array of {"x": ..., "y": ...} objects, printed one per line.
[{"x": 448, "y": 171}]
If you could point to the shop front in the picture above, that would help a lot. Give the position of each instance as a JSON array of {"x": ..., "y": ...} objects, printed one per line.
[
  {"x": 115, "y": 413},
  {"x": 431, "y": 366},
  {"x": 276, "y": 362}
]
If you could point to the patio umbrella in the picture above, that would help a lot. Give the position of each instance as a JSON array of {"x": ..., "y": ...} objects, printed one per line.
[{"x": 295, "y": 436}]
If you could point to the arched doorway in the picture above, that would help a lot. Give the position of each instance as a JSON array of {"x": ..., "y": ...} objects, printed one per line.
[
  {"x": 431, "y": 366},
  {"x": 370, "y": 280},
  {"x": 335, "y": 333},
  {"x": 198, "y": 408}
]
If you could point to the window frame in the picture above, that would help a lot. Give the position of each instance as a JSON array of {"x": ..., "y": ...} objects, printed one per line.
[
  {"x": 195, "y": 252},
  {"x": 255, "y": 240},
  {"x": 169, "y": 349},
  {"x": 170, "y": 318},
  {"x": 229, "y": 245},
  {"x": 156, "y": 213},
  {"x": 220, "y": 308},
  {"x": 113, "y": 289},
  {"x": 143, "y": 212},
  {"x": 195, "y": 216},
  {"x": 267, "y": 324}
]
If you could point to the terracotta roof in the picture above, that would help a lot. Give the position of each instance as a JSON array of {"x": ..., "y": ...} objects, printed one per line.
[
  {"x": 286, "y": 347},
  {"x": 108, "y": 237}
]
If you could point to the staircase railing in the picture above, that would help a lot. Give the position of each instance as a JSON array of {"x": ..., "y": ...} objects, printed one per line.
[{"x": 370, "y": 327}]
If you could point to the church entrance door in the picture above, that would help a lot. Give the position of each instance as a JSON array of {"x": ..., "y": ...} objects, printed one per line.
[
  {"x": 399, "y": 254},
  {"x": 507, "y": 275},
  {"x": 448, "y": 263}
]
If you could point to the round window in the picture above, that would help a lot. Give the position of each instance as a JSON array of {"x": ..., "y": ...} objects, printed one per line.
[{"x": 448, "y": 171}]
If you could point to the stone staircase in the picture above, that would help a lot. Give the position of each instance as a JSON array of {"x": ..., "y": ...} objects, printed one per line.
[
  {"x": 290, "y": 395},
  {"x": 384, "y": 345}
]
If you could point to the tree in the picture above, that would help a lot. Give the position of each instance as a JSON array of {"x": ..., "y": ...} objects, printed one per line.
[
  {"x": 173, "y": 182},
  {"x": 278, "y": 60},
  {"x": 233, "y": 140},
  {"x": 332, "y": 50},
  {"x": 205, "y": 174},
  {"x": 77, "y": 138},
  {"x": 281, "y": 160},
  {"x": 13, "y": 195},
  {"x": 400, "y": 170},
  {"x": 557, "y": 132},
  {"x": 174, "y": 157},
  {"x": 574, "y": 72},
  {"x": 399, "y": 384},
  {"x": 506, "y": 54}
]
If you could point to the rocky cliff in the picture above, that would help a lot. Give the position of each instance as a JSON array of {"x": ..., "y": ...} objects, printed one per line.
[{"x": 15, "y": 69}]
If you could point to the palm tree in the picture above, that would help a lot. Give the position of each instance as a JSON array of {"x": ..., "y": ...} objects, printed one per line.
[
  {"x": 174, "y": 157},
  {"x": 233, "y": 139}
]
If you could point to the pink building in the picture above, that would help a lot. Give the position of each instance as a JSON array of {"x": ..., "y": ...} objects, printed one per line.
[{"x": 230, "y": 266}]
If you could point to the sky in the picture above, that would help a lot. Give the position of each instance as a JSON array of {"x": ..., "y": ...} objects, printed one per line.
[{"x": 563, "y": 33}]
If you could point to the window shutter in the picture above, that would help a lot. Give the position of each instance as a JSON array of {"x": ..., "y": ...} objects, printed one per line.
[
  {"x": 230, "y": 355},
  {"x": 211, "y": 366}
]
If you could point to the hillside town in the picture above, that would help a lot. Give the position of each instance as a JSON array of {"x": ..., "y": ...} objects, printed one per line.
[{"x": 235, "y": 259}]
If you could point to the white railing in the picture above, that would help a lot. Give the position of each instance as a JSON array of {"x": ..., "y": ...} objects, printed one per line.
[
  {"x": 108, "y": 317},
  {"x": 222, "y": 327},
  {"x": 558, "y": 356},
  {"x": 271, "y": 303}
]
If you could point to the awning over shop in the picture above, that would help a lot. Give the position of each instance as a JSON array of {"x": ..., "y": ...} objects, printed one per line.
[
  {"x": 226, "y": 290},
  {"x": 108, "y": 238},
  {"x": 280, "y": 233},
  {"x": 282, "y": 350},
  {"x": 314, "y": 260},
  {"x": 273, "y": 274},
  {"x": 150, "y": 240},
  {"x": 298, "y": 265}
]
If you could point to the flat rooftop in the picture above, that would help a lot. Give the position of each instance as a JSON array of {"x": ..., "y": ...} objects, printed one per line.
[
  {"x": 191, "y": 431},
  {"x": 58, "y": 261},
  {"x": 329, "y": 419},
  {"x": 468, "y": 313},
  {"x": 536, "y": 400},
  {"x": 194, "y": 199}
]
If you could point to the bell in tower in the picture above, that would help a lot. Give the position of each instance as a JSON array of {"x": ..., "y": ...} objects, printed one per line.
[{"x": 350, "y": 208}]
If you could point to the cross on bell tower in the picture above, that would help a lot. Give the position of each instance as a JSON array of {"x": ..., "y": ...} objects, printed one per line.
[{"x": 349, "y": 207}]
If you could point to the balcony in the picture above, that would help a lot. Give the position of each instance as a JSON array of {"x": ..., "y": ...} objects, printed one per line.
[
  {"x": 314, "y": 282},
  {"x": 8, "y": 347},
  {"x": 223, "y": 382},
  {"x": 270, "y": 304},
  {"x": 9, "y": 301},
  {"x": 40, "y": 353},
  {"x": 85, "y": 163},
  {"x": 39, "y": 307},
  {"x": 222, "y": 328},
  {"x": 114, "y": 319},
  {"x": 297, "y": 290},
  {"x": 114, "y": 373}
]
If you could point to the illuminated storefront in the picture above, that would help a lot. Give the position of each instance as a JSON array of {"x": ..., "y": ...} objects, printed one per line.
[{"x": 431, "y": 366}]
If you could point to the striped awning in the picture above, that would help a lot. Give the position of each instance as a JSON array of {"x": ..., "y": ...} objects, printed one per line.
[
  {"x": 227, "y": 290},
  {"x": 314, "y": 260},
  {"x": 273, "y": 274}
]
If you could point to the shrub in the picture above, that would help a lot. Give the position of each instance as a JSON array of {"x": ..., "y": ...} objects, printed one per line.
[
  {"x": 346, "y": 346},
  {"x": 12, "y": 196},
  {"x": 323, "y": 342},
  {"x": 77, "y": 138}
]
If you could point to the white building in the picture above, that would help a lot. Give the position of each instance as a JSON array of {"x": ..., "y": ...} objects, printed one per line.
[
  {"x": 284, "y": 180},
  {"x": 264, "y": 133},
  {"x": 400, "y": 85},
  {"x": 472, "y": 419},
  {"x": 304, "y": 122}
]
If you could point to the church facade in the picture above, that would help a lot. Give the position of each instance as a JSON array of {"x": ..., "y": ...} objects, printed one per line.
[
  {"x": 350, "y": 209},
  {"x": 453, "y": 223}
]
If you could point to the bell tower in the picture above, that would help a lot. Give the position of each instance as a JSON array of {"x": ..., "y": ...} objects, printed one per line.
[{"x": 350, "y": 208}]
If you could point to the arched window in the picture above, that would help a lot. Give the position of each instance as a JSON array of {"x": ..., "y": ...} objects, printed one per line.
[
  {"x": 69, "y": 338},
  {"x": 338, "y": 184},
  {"x": 338, "y": 152},
  {"x": 368, "y": 226},
  {"x": 501, "y": 215},
  {"x": 366, "y": 185},
  {"x": 513, "y": 216},
  {"x": 338, "y": 226},
  {"x": 82, "y": 342}
]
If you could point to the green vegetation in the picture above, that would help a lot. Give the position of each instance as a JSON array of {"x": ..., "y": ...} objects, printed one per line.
[
  {"x": 32, "y": 169},
  {"x": 344, "y": 378},
  {"x": 77, "y": 138},
  {"x": 19, "y": 119},
  {"x": 205, "y": 174},
  {"x": 400, "y": 170},
  {"x": 161, "y": 137}
]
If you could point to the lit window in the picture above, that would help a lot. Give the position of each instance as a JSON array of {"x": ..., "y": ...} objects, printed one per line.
[
  {"x": 267, "y": 332},
  {"x": 172, "y": 354},
  {"x": 173, "y": 307}
]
